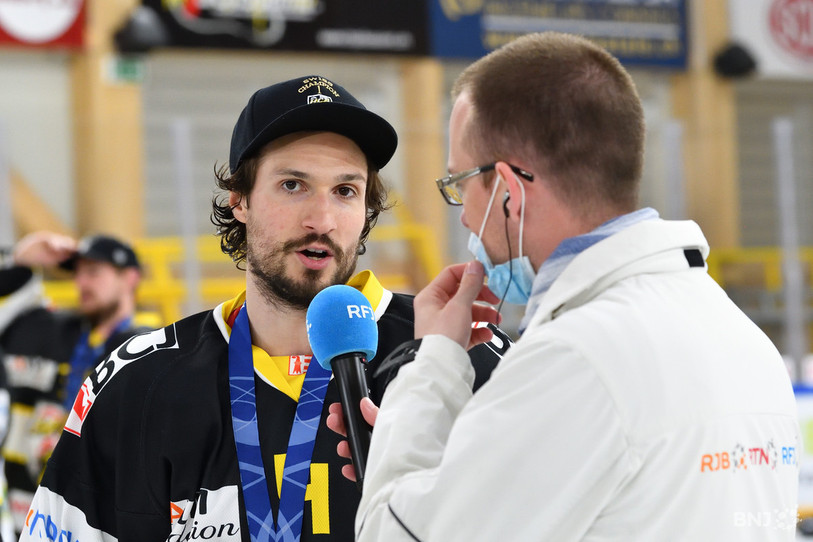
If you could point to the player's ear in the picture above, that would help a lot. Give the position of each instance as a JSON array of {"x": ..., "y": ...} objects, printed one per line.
[{"x": 238, "y": 206}]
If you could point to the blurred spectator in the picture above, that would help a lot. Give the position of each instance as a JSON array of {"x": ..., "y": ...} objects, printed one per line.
[{"x": 48, "y": 353}]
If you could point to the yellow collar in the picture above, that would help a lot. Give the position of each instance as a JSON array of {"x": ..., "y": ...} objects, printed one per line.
[{"x": 285, "y": 372}]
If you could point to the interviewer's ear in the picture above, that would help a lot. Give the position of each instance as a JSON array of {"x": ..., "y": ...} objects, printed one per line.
[{"x": 513, "y": 201}]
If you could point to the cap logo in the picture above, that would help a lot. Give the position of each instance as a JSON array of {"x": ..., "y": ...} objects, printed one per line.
[
  {"x": 323, "y": 87},
  {"x": 319, "y": 98},
  {"x": 120, "y": 257}
]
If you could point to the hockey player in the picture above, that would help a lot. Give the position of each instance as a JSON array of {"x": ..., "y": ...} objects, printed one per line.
[{"x": 213, "y": 427}]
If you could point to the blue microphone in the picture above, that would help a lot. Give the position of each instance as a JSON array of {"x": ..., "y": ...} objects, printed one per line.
[{"x": 343, "y": 335}]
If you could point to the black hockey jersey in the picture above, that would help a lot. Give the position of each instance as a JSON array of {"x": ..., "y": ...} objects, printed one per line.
[
  {"x": 37, "y": 345},
  {"x": 148, "y": 452}
]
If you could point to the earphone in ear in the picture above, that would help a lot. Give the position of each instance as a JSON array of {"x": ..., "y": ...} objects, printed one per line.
[{"x": 505, "y": 204}]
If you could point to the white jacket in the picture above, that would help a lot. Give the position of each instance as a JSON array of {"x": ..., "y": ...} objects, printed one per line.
[{"x": 640, "y": 404}]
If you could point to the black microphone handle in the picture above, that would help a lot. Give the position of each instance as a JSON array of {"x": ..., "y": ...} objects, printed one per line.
[{"x": 348, "y": 369}]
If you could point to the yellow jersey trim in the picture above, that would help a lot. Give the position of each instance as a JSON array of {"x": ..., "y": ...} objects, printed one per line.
[{"x": 274, "y": 369}]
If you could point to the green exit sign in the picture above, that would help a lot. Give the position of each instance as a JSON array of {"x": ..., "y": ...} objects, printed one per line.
[{"x": 125, "y": 69}]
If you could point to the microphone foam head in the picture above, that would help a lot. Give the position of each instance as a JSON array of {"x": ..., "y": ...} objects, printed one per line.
[{"x": 341, "y": 321}]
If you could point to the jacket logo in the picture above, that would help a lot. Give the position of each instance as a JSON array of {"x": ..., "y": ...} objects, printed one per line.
[{"x": 740, "y": 458}]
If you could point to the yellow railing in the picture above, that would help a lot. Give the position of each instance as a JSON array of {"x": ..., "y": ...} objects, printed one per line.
[
  {"x": 759, "y": 267},
  {"x": 753, "y": 277},
  {"x": 163, "y": 291}
]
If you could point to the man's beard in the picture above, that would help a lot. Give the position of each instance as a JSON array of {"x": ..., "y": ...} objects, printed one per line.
[
  {"x": 100, "y": 314},
  {"x": 268, "y": 266}
]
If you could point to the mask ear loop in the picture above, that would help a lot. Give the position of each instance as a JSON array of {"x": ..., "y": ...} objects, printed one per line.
[
  {"x": 521, "y": 215},
  {"x": 510, "y": 269},
  {"x": 508, "y": 242},
  {"x": 497, "y": 181}
]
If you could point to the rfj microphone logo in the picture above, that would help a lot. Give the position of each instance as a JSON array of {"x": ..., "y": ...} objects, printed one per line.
[{"x": 360, "y": 311}]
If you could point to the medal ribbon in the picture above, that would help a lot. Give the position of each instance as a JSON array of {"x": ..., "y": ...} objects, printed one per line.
[{"x": 295, "y": 474}]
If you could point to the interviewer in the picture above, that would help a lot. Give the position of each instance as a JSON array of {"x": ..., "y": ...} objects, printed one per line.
[{"x": 639, "y": 403}]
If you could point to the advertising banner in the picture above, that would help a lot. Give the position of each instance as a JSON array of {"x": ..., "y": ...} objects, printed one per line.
[
  {"x": 42, "y": 23},
  {"x": 365, "y": 26},
  {"x": 638, "y": 32}
]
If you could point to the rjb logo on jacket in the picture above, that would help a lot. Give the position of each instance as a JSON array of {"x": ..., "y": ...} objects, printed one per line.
[{"x": 742, "y": 457}]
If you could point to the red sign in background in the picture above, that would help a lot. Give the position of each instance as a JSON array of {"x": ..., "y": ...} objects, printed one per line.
[
  {"x": 791, "y": 23},
  {"x": 42, "y": 23}
]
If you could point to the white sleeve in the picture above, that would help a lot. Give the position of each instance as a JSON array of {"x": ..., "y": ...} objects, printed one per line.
[{"x": 534, "y": 455}]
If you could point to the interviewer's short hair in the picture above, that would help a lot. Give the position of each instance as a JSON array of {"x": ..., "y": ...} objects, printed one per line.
[{"x": 568, "y": 108}]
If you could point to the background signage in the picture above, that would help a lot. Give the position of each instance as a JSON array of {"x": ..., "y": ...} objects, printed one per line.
[
  {"x": 643, "y": 32},
  {"x": 777, "y": 33},
  {"x": 374, "y": 26},
  {"x": 42, "y": 23}
]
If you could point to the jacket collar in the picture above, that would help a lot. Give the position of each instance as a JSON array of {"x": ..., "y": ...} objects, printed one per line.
[{"x": 650, "y": 246}]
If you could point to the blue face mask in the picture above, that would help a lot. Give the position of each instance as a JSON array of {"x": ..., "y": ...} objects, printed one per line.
[{"x": 511, "y": 280}]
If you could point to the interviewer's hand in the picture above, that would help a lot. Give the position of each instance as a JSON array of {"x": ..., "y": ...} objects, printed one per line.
[
  {"x": 446, "y": 306},
  {"x": 43, "y": 248},
  {"x": 335, "y": 421}
]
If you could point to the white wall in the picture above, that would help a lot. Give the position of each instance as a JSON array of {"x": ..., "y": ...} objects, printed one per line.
[{"x": 36, "y": 117}]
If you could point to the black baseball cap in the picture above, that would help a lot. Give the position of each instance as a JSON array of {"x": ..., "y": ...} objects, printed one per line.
[
  {"x": 103, "y": 248},
  {"x": 305, "y": 104}
]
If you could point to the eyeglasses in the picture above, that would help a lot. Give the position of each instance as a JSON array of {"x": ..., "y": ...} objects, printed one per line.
[{"x": 449, "y": 185}]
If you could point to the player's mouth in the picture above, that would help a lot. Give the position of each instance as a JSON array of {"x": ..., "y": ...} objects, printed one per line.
[
  {"x": 314, "y": 257},
  {"x": 315, "y": 254}
]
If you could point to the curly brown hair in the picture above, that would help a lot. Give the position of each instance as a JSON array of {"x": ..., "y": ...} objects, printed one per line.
[{"x": 232, "y": 232}]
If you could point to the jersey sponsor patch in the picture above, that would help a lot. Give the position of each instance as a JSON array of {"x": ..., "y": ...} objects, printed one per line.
[
  {"x": 132, "y": 350},
  {"x": 213, "y": 514},
  {"x": 298, "y": 365},
  {"x": 51, "y": 518},
  {"x": 34, "y": 372}
]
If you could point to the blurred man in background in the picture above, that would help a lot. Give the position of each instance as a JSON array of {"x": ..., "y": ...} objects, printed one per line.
[
  {"x": 49, "y": 353},
  {"x": 213, "y": 427},
  {"x": 639, "y": 403}
]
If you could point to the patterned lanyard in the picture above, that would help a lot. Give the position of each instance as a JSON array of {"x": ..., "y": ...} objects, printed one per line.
[{"x": 262, "y": 526}]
